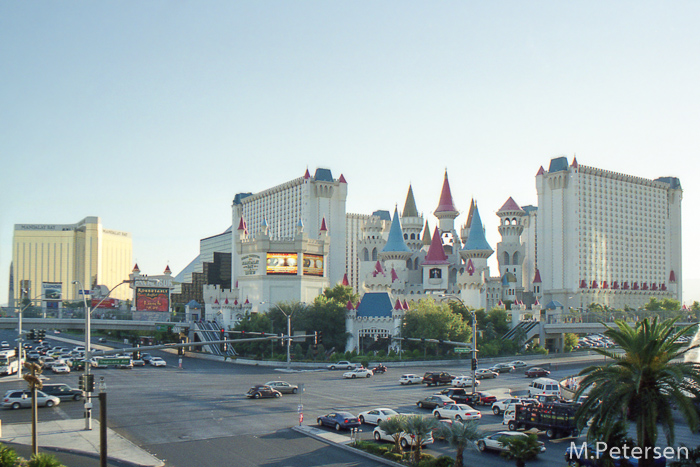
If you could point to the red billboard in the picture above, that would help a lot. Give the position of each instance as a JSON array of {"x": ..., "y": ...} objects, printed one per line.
[
  {"x": 110, "y": 303},
  {"x": 152, "y": 299}
]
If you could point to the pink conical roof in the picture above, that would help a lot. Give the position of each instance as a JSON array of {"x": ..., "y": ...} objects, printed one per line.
[
  {"x": 378, "y": 269},
  {"x": 216, "y": 302},
  {"x": 167, "y": 269},
  {"x": 345, "y": 282},
  {"x": 405, "y": 304},
  {"x": 470, "y": 267},
  {"x": 510, "y": 205},
  {"x": 136, "y": 268},
  {"x": 397, "y": 305},
  {"x": 342, "y": 179},
  {"x": 538, "y": 279},
  {"x": 541, "y": 171},
  {"x": 323, "y": 225},
  {"x": 394, "y": 276},
  {"x": 307, "y": 175},
  {"x": 436, "y": 252},
  {"x": 241, "y": 224},
  {"x": 226, "y": 302},
  {"x": 574, "y": 164},
  {"x": 349, "y": 306},
  {"x": 672, "y": 277},
  {"x": 446, "y": 204}
]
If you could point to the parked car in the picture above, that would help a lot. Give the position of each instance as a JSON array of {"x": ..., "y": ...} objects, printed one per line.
[
  {"x": 260, "y": 391},
  {"x": 495, "y": 441},
  {"x": 437, "y": 377},
  {"x": 536, "y": 372},
  {"x": 465, "y": 381},
  {"x": 433, "y": 401},
  {"x": 457, "y": 412},
  {"x": 502, "y": 368},
  {"x": 486, "y": 374},
  {"x": 146, "y": 357},
  {"x": 157, "y": 361},
  {"x": 358, "y": 373},
  {"x": 342, "y": 364},
  {"x": 62, "y": 391},
  {"x": 502, "y": 405},
  {"x": 339, "y": 420},
  {"x": 517, "y": 364},
  {"x": 60, "y": 368},
  {"x": 18, "y": 399},
  {"x": 283, "y": 387},
  {"x": 138, "y": 362},
  {"x": 410, "y": 379},
  {"x": 406, "y": 440},
  {"x": 375, "y": 416}
]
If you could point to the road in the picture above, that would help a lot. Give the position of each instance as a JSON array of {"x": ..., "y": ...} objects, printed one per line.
[{"x": 198, "y": 415}]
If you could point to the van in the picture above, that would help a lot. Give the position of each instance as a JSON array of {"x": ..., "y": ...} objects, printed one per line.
[{"x": 544, "y": 386}]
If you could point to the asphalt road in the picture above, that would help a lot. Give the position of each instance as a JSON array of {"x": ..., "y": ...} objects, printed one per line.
[{"x": 198, "y": 415}]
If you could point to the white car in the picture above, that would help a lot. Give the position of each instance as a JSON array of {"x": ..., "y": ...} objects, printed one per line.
[
  {"x": 406, "y": 440},
  {"x": 518, "y": 364},
  {"x": 157, "y": 361},
  {"x": 61, "y": 368},
  {"x": 494, "y": 441},
  {"x": 502, "y": 405},
  {"x": 457, "y": 412},
  {"x": 375, "y": 416},
  {"x": 342, "y": 364},
  {"x": 410, "y": 379},
  {"x": 464, "y": 381},
  {"x": 358, "y": 373}
]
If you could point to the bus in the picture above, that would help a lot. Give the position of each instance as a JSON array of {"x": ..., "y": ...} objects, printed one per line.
[{"x": 9, "y": 365}]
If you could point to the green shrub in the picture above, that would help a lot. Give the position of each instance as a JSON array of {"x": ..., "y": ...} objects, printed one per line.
[
  {"x": 393, "y": 456},
  {"x": 426, "y": 460},
  {"x": 44, "y": 460},
  {"x": 8, "y": 457},
  {"x": 444, "y": 461}
]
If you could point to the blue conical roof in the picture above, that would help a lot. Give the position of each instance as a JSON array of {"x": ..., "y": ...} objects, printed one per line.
[
  {"x": 477, "y": 238},
  {"x": 395, "y": 242}
]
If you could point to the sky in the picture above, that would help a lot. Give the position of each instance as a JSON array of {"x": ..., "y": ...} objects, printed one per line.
[{"x": 153, "y": 115}]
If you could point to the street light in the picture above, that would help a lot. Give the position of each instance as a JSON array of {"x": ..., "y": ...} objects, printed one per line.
[
  {"x": 455, "y": 297},
  {"x": 289, "y": 332},
  {"x": 88, "y": 352}
]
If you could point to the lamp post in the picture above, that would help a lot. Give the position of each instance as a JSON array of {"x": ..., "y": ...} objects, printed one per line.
[
  {"x": 289, "y": 332},
  {"x": 455, "y": 297},
  {"x": 88, "y": 352}
]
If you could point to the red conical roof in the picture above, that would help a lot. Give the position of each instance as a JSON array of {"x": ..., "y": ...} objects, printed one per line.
[
  {"x": 398, "y": 306},
  {"x": 436, "y": 252},
  {"x": 167, "y": 270},
  {"x": 323, "y": 225},
  {"x": 510, "y": 205},
  {"x": 345, "y": 282},
  {"x": 394, "y": 276},
  {"x": 672, "y": 277},
  {"x": 405, "y": 304},
  {"x": 538, "y": 279},
  {"x": 446, "y": 204},
  {"x": 541, "y": 171},
  {"x": 136, "y": 268},
  {"x": 574, "y": 164},
  {"x": 342, "y": 179},
  {"x": 307, "y": 175},
  {"x": 349, "y": 306}
]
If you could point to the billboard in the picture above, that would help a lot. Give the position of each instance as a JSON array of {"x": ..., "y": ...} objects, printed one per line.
[
  {"x": 152, "y": 299},
  {"x": 111, "y": 303},
  {"x": 51, "y": 293},
  {"x": 282, "y": 263},
  {"x": 313, "y": 265}
]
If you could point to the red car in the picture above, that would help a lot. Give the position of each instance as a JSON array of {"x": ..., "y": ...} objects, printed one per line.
[
  {"x": 536, "y": 372},
  {"x": 484, "y": 398}
]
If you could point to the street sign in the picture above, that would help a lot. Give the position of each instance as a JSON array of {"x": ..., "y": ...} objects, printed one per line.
[
  {"x": 113, "y": 361},
  {"x": 462, "y": 350},
  {"x": 83, "y": 292}
]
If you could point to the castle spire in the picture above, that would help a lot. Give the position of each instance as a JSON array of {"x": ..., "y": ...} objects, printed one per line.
[{"x": 409, "y": 207}]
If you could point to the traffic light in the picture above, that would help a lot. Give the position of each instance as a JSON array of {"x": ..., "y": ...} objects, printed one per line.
[
  {"x": 31, "y": 335},
  {"x": 319, "y": 337},
  {"x": 474, "y": 362},
  {"x": 90, "y": 383},
  {"x": 81, "y": 381},
  {"x": 224, "y": 345},
  {"x": 315, "y": 338},
  {"x": 42, "y": 334}
]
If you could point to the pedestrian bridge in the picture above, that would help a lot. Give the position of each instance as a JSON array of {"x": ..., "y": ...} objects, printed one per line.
[{"x": 106, "y": 324}]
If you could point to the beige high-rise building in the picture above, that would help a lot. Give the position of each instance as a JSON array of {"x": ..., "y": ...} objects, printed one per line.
[{"x": 47, "y": 258}]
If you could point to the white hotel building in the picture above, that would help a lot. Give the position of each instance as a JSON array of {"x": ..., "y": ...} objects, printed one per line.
[{"x": 608, "y": 238}]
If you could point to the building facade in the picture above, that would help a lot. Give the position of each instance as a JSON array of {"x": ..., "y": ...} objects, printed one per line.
[
  {"x": 52, "y": 256},
  {"x": 607, "y": 238}
]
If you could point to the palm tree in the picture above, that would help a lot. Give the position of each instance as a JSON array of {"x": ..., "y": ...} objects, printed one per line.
[
  {"x": 646, "y": 381},
  {"x": 521, "y": 448},
  {"x": 460, "y": 436},
  {"x": 419, "y": 427},
  {"x": 394, "y": 427}
]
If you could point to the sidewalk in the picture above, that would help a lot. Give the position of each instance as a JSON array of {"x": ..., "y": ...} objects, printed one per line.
[{"x": 70, "y": 435}]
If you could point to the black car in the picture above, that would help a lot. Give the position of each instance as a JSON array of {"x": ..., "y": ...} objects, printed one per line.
[
  {"x": 62, "y": 391},
  {"x": 433, "y": 401},
  {"x": 437, "y": 377},
  {"x": 260, "y": 391}
]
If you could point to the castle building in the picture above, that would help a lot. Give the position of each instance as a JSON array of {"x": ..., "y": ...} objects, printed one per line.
[{"x": 47, "y": 258}]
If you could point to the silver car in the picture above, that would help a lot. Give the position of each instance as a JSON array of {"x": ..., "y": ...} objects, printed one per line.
[{"x": 23, "y": 398}]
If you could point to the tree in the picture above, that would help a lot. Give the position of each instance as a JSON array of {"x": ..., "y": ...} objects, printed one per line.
[
  {"x": 460, "y": 436},
  {"x": 521, "y": 448},
  {"x": 420, "y": 427},
  {"x": 570, "y": 341},
  {"x": 341, "y": 294},
  {"x": 432, "y": 320},
  {"x": 645, "y": 382},
  {"x": 394, "y": 427}
]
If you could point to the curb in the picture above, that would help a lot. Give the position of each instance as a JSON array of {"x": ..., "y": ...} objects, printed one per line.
[{"x": 305, "y": 430}]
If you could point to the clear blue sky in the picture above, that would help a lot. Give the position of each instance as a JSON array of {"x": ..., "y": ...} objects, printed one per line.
[{"x": 153, "y": 115}]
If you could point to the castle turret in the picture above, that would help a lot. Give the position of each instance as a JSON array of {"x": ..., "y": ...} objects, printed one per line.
[
  {"x": 510, "y": 250},
  {"x": 446, "y": 213},
  {"x": 411, "y": 222},
  {"x": 475, "y": 254},
  {"x": 435, "y": 266}
]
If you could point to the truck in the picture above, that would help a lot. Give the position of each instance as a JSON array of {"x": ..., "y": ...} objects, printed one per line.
[
  {"x": 556, "y": 419},
  {"x": 9, "y": 365}
]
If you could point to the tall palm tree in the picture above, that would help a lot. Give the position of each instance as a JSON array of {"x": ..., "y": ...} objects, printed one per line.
[
  {"x": 394, "y": 427},
  {"x": 420, "y": 427},
  {"x": 460, "y": 436},
  {"x": 644, "y": 382}
]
